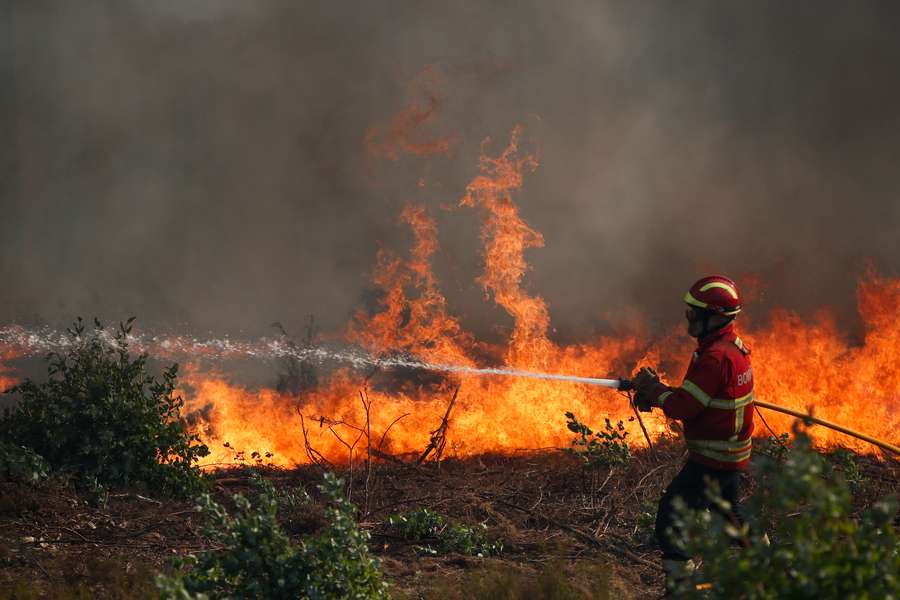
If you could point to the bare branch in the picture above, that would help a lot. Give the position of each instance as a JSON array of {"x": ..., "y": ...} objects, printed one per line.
[
  {"x": 384, "y": 435},
  {"x": 314, "y": 455},
  {"x": 439, "y": 435}
]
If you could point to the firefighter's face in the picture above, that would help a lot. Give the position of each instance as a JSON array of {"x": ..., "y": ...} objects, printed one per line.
[
  {"x": 695, "y": 327},
  {"x": 695, "y": 321}
]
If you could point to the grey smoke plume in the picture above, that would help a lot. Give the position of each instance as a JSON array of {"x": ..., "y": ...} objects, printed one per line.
[{"x": 201, "y": 163}]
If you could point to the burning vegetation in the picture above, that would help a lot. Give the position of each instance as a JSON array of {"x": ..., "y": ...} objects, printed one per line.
[{"x": 799, "y": 364}]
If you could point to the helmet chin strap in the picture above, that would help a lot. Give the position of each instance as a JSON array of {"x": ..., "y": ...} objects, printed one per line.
[{"x": 706, "y": 328}]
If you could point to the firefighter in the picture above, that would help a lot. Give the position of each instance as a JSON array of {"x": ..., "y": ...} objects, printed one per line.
[{"x": 715, "y": 405}]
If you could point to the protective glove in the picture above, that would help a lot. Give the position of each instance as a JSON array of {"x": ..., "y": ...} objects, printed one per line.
[{"x": 644, "y": 382}]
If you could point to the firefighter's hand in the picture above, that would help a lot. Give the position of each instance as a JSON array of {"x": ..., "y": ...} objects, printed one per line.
[
  {"x": 644, "y": 382},
  {"x": 645, "y": 379},
  {"x": 643, "y": 402}
]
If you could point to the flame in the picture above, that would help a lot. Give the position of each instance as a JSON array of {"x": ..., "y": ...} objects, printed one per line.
[
  {"x": 506, "y": 236},
  {"x": 404, "y": 132},
  {"x": 796, "y": 364},
  {"x": 814, "y": 366},
  {"x": 420, "y": 326},
  {"x": 489, "y": 414}
]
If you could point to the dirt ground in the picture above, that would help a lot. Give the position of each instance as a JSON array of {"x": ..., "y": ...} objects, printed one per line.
[{"x": 588, "y": 531}]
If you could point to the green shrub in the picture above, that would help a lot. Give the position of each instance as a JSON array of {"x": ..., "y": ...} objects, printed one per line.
[
  {"x": 818, "y": 549},
  {"x": 101, "y": 416},
  {"x": 418, "y": 524},
  {"x": 469, "y": 540},
  {"x": 21, "y": 464},
  {"x": 606, "y": 447},
  {"x": 850, "y": 469},
  {"x": 255, "y": 558},
  {"x": 646, "y": 521},
  {"x": 425, "y": 525},
  {"x": 776, "y": 448}
]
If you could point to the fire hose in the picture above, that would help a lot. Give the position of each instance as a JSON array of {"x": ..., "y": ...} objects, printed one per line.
[
  {"x": 625, "y": 385},
  {"x": 828, "y": 424}
]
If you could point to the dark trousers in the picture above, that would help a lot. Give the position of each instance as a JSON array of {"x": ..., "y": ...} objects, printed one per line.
[{"x": 690, "y": 485}]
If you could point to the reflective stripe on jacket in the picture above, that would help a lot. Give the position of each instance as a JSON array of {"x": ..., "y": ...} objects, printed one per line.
[{"x": 715, "y": 401}]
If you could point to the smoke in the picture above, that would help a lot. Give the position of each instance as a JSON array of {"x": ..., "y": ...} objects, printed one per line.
[{"x": 203, "y": 164}]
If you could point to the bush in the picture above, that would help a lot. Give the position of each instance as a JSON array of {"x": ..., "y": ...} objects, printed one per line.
[
  {"x": 850, "y": 469},
  {"x": 776, "y": 448},
  {"x": 646, "y": 521},
  {"x": 21, "y": 464},
  {"x": 818, "y": 549},
  {"x": 425, "y": 525},
  {"x": 101, "y": 416},
  {"x": 606, "y": 447},
  {"x": 418, "y": 524},
  {"x": 256, "y": 559}
]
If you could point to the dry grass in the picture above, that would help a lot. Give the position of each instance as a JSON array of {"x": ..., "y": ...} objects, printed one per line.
[{"x": 567, "y": 532}]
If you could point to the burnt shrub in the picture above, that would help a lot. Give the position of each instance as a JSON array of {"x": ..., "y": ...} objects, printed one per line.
[{"x": 103, "y": 418}]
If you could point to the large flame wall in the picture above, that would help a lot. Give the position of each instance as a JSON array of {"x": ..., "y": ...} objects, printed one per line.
[{"x": 796, "y": 364}]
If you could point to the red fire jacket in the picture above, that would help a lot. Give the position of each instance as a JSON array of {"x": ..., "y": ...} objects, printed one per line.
[{"x": 715, "y": 402}]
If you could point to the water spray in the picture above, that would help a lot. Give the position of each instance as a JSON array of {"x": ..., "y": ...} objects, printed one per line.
[
  {"x": 31, "y": 342},
  {"x": 42, "y": 341}
]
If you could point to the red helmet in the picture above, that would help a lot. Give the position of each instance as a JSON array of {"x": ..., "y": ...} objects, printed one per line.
[{"x": 715, "y": 293}]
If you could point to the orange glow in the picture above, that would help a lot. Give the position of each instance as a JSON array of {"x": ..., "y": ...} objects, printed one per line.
[
  {"x": 796, "y": 364},
  {"x": 404, "y": 133},
  {"x": 8, "y": 376}
]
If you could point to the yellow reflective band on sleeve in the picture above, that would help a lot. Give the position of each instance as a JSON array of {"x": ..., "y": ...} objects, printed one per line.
[
  {"x": 695, "y": 391},
  {"x": 738, "y": 421},
  {"x": 719, "y": 284},
  {"x": 689, "y": 298},
  {"x": 731, "y": 403},
  {"x": 662, "y": 398}
]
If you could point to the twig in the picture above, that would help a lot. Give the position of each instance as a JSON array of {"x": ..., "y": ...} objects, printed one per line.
[
  {"x": 138, "y": 496},
  {"x": 367, "y": 405},
  {"x": 439, "y": 435},
  {"x": 383, "y": 435},
  {"x": 72, "y": 531},
  {"x": 605, "y": 481},
  {"x": 648, "y": 474},
  {"x": 315, "y": 457},
  {"x": 349, "y": 447},
  {"x": 775, "y": 436},
  {"x": 640, "y": 422}
]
